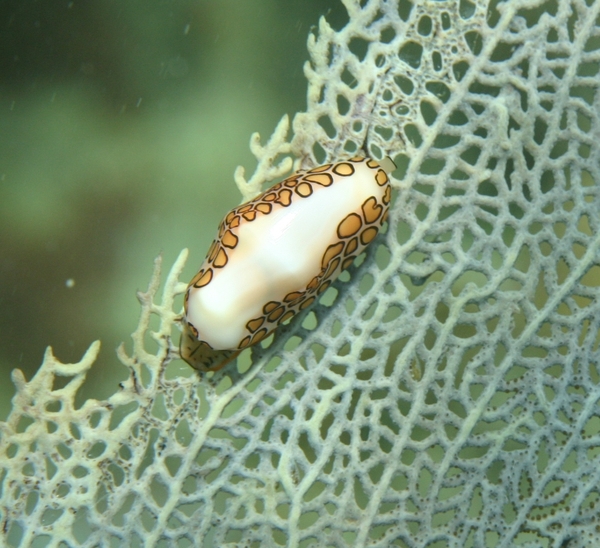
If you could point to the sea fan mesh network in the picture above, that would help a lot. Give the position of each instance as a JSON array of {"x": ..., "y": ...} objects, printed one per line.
[{"x": 444, "y": 393}]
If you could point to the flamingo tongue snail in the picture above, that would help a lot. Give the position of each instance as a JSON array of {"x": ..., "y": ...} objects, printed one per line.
[{"x": 275, "y": 254}]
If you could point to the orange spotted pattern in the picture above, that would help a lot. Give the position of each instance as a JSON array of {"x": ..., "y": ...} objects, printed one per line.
[{"x": 354, "y": 232}]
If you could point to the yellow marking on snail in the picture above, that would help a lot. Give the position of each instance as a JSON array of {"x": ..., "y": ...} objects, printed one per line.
[{"x": 275, "y": 254}]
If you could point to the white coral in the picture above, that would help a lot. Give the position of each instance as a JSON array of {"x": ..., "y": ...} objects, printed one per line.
[{"x": 446, "y": 393}]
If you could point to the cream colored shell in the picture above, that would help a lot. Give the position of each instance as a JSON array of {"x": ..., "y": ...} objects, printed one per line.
[{"x": 275, "y": 254}]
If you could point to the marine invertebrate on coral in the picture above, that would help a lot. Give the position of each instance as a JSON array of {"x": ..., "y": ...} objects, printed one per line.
[
  {"x": 273, "y": 256},
  {"x": 445, "y": 392}
]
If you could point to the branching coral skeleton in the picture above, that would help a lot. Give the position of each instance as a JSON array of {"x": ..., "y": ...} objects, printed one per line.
[{"x": 445, "y": 391}]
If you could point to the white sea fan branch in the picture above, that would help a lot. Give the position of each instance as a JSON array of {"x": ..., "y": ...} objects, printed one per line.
[{"x": 443, "y": 393}]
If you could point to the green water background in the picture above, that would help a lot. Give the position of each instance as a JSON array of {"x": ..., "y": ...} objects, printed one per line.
[{"x": 121, "y": 126}]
